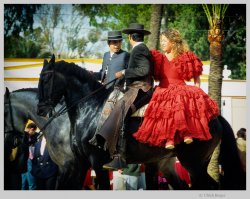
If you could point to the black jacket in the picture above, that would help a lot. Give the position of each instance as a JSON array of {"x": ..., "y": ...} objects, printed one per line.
[
  {"x": 42, "y": 165},
  {"x": 140, "y": 65}
]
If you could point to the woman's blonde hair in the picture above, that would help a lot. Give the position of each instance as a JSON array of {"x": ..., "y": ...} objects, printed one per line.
[{"x": 179, "y": 45}]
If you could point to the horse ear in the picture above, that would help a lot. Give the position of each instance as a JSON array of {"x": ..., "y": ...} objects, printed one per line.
[
  {"x": 45, "y": 62},
  {"x": 7, "y": 93},
  {"x": 52, "y": 59}
]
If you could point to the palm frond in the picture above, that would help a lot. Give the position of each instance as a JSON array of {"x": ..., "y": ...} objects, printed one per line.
[{"x": 208, "y": 14}]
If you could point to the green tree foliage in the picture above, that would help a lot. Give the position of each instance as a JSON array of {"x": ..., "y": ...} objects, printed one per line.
[
  {"x": 191, "y": 21},
  {"x": 18, "y": 18},
  {"x": 74, "y": 40},
  {"x": 49, "y": 18},
  {"x": 22, "y": 46},
  {"x": 116, "y": 16},
  {"x": 234, "y": 46}
]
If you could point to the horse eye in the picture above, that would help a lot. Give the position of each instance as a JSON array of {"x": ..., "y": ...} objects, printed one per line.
[{"x": 46, "y": 77}]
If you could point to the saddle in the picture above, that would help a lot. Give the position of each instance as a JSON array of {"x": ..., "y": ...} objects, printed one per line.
[
  {"x": 109, "y": 106},
  {"x": 140, "y": 112}
]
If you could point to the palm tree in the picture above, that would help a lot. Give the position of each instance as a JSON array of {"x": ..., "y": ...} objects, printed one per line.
[
  {"x": 215, "y": 37},
  {"x": 155, "y": 25}
]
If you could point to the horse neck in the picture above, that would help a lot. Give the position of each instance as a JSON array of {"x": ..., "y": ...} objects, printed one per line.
[
  {"x": 24, "y": 109},
  {"x": 81, "y": 97}
]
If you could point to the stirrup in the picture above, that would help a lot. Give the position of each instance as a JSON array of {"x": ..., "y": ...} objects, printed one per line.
[{"x": 116, "y": 164}]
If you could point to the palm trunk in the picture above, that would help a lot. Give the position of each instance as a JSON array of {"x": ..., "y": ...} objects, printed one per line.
[
  {"x": 215, "y": 38},
  {"x": 155, "y": 25}
]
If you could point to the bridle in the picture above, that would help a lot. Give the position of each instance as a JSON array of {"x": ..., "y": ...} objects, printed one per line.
[
  {"x": 64, "y": 108},
  {"x": 49, "y": 101}
]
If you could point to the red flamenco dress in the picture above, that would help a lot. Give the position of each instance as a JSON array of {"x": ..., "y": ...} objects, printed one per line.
[{"x": 176, "y": 110}]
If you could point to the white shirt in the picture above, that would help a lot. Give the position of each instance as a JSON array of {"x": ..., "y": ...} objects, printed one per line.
[
  {"x": 43, "y": 144},
  {"x": 137, "y": 43},
  {"x": 111, "y": 54}
]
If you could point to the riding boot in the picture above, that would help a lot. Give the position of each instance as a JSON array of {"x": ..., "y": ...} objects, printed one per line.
[{"x": 119, "y": 160}]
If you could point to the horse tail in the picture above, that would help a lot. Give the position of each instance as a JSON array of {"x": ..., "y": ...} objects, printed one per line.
[{"x": 234, "y": 177}]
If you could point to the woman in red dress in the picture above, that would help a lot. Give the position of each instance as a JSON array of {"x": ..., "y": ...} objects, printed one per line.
[{"x": 177, "y": 112}]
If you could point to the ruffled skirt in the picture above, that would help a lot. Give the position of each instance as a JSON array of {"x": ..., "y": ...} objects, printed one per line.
[{"x": 175, "y": 112}]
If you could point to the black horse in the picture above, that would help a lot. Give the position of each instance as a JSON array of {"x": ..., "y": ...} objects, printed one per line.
[
  {"x": 20, "y": 106},
  {"x": 59, "y": 79}
]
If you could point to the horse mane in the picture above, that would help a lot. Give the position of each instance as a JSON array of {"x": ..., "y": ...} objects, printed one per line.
[
  {"x": 26, "y": 89},
  {"x": 72, "y": 69}
]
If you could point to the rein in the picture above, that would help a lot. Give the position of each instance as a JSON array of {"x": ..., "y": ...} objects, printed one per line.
[{"x": 64, "y": 109}]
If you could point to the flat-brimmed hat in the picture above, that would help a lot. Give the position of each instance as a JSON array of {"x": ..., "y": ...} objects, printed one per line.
[
  {"x": 136, "y": 28},
  {"x": 114, "y": 35}
]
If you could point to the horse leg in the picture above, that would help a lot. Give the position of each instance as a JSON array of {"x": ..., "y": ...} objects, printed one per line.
[
  {"x": 71, "y": 177},
  {"x": 68, "y": 180},
  {"x": 234, "y": 176},
  {"x": 167, "y": 167},
  {"x": 201, "y": 180},
  {"x": 151, "y": 175},
  {"x": 195, "y": 158},
  {"x": 102, "y": 178}
]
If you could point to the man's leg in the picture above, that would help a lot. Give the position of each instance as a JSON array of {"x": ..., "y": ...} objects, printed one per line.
[
  {"x": 30, "y": 177},
  {"x": 131, "y": 182},
  {"x": 24, "y": 181},
  {"x": 118, "y": 181},
  {"x": 119, "y": 162},
  {"x": 142, "y": 99}
]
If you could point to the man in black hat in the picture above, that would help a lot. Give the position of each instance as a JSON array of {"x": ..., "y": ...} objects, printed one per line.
[
  {"x": 114, "y": 60},
  {"x": 138, "y": 93}
]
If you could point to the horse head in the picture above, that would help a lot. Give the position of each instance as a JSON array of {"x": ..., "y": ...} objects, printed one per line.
[
  {"x": 12, "y": 134},
  {"x": 49, "y": 97},
  {"x": 9, "y": 124},
  {"x": 63, "y": 79}
]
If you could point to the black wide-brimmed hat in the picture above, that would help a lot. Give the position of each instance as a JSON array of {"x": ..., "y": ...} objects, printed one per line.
[
  {"x": 136, "y": 28},
  {"x": 115, "y": 35}
]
